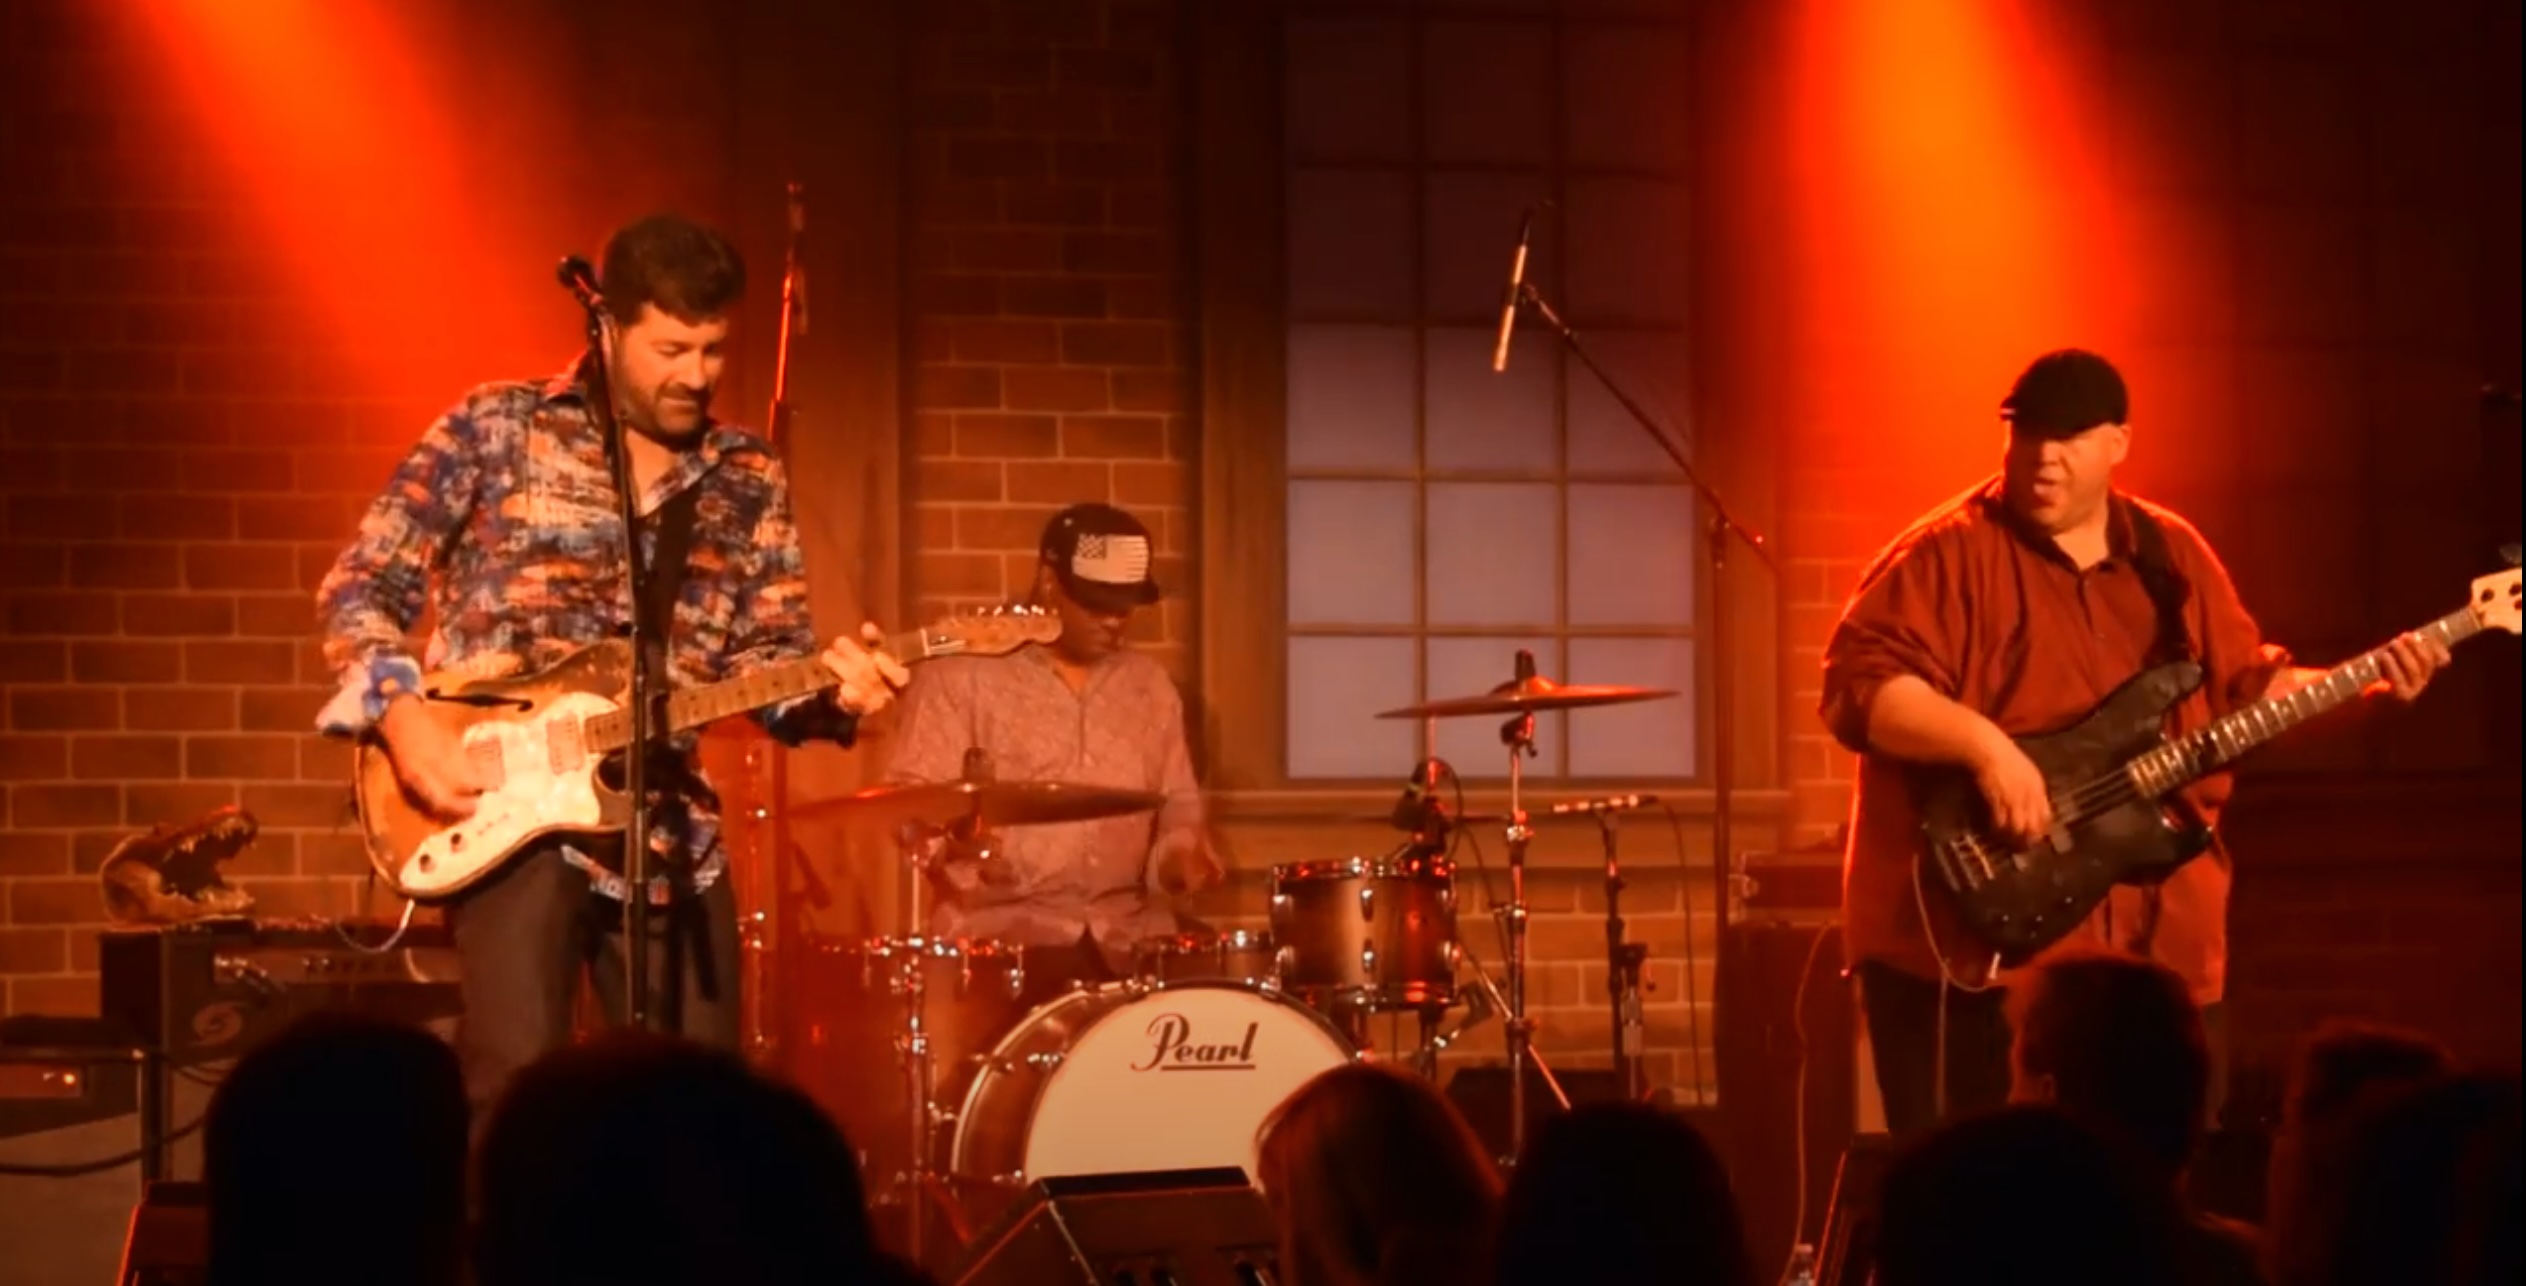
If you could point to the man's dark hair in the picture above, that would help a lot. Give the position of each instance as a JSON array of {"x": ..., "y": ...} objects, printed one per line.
[
  {"x": 2022, "y": 1194},
  {"x": 688, "y": 271},
  {"x": 2123, "y": 1043}
]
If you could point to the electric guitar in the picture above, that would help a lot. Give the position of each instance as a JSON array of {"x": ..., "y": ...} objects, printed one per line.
[
  {"x": 2108, "y": 775},
  {"x": 541, "y": 739}
]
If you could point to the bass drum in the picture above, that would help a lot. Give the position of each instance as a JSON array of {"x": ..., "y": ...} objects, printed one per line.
[{"x": 1126, "y": 1078}]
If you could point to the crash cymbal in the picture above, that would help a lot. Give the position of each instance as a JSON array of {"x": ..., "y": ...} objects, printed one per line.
[
  {"x": 1535, "y": 692},
  {"x": 993, "y": 803}
]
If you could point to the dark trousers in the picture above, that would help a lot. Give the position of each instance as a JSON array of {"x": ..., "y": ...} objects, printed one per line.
[
  {"x": 523, "y": 938},
  {"x": 1902, "y": 1015}
]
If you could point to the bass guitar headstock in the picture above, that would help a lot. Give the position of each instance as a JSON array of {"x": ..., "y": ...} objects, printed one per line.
[{"x": 2495, "y": 601}]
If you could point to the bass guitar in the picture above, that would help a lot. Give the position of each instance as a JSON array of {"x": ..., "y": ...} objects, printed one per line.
[
  {"x": 2108, "y": 776},
  {"x": 541, "y": 740}
]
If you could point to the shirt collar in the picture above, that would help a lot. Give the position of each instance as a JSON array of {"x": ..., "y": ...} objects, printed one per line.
[{"x": 568, "y": 387}]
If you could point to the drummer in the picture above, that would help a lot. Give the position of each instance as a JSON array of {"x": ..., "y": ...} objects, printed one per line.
[{"x": 1087, "y": 710}]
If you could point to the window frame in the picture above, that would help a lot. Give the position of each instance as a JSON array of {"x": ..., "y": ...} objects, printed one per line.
[{"x": 1240, "y": 167}]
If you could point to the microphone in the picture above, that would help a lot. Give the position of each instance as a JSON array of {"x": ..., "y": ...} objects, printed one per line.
[
  {"x": 1412, "y": 807},
  {"x": 1517, "y": 283},
  {"x": 580, "y": 279},
  {"x": 1609, "y": 804}
]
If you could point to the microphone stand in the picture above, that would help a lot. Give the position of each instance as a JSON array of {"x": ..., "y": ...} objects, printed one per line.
[
  {"x": 636, "y": 756},
  {"x": 1718, "y": 527},
  {"x": 766, "y": 932},
  {"x": 1622, "y": 970}
]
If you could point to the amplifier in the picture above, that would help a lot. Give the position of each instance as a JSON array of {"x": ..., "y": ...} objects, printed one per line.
[{"x": 209, "y": 991}]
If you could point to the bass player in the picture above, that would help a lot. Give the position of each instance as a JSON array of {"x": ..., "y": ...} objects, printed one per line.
[
  {"x": 503, "y": 523},
  {"x": 2010, "y": 610}
]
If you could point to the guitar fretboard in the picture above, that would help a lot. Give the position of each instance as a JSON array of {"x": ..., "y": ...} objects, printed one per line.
[
  {"x": 2231, "y": 738},
  {"x": 769, "y": 686}
]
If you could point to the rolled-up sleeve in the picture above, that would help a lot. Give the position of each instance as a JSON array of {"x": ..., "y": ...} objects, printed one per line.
[{"x": 1906, "y": 617}]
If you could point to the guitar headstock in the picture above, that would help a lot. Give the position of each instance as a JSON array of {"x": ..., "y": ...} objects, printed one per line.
[
  {"x": 2494, "y": 604},
  {"x": 990, "y": 631}
]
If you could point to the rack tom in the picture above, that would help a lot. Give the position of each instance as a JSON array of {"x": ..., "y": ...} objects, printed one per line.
[
  {"x": 1369, "y": 934},
  {"x": 1236, "y": 955}
]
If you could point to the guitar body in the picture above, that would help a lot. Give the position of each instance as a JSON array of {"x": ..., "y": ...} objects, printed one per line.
[
  {"x": 2018, "y": 902},
  {"x": 524, "y": 730}
]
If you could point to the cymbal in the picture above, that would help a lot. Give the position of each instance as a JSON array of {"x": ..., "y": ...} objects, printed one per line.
[
  {"x": 994, "y": 803},
  {"x": 1535, "y": 692}
]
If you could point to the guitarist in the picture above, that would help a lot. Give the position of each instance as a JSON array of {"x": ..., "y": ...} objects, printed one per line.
[
  {"x": 2011, "y": 610},
  {"x": 502, "y": 524},
  {"x": 1088, "y": 709}
]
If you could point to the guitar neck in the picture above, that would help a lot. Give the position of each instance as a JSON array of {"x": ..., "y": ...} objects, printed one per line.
[
  {"x": 2224, "y": 741},
  {"x": 769, "y": 686}
]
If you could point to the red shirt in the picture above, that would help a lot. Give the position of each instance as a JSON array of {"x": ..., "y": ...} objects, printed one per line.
[{"x": 1991, "y": 614}]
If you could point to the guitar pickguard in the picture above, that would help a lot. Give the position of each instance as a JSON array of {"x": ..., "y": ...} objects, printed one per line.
[{"x": 545, "y": 782}]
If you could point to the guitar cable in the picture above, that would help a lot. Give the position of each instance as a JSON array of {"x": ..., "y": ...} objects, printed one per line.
[{"x": 1946, "y": 980}]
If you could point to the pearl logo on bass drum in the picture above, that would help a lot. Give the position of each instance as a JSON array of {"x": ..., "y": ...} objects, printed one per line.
[{"x": 1172, "y": 1049}]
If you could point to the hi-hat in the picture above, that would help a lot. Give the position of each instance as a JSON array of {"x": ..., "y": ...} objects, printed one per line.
[
  {"x": 992, "y": 803},
  {"x": 1521, "y": 696}
]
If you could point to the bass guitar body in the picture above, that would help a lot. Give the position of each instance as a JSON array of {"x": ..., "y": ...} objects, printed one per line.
[
  {"x": 2018, "y": 901},
  {"x": 525, "y": 735}
]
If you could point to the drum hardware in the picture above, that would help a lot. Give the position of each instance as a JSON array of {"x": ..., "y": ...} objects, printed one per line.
[
  {"x": 1520, "y": 698},
  {"x": 933, "y": 822}
]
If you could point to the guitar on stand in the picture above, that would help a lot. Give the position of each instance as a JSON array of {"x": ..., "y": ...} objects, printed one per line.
[
  {"x": 2108, "y": 775},
  {"x": 545, "y": 739}
]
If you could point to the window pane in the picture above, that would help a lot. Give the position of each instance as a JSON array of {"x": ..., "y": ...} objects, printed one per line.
[
  {"x": 1350, "y": 397},
  {"x": 1655, "y": 368},
  {"x": 1350, "y": 245},
  {"x": 1632, "y": 555},
  {"x": 1629, "y": 242},
  {"x": 1482, "y": 419},
  {"x": 1630, "y": 97},
  {"x": 1494, "y": 553},
  {"x": 1348, "y": 96},
  {"x": 1470, "y": 667},
  {"x": 1333, "y": 731},
  {"x": 1488, "y": 95},
  {"x": 1643, "y": 739},
  {"x": 1350, "y": 553},
  {"x": 1471, "y": 223}
]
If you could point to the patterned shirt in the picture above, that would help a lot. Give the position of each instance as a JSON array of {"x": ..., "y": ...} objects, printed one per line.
[
  {"x": 503, "y": 524},
  {"x": 1124, "y": 729}
]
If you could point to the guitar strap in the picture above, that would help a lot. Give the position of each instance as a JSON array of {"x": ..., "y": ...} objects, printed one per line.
[
  {"x": 2168, "y": 589},
  {"x": 668, "y": 559}
]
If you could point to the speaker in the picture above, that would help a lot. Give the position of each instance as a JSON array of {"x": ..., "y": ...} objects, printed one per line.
[
  {"x": 169, "y": 1240},
  {"x": 1481, "y": 1096},
  {"x": 1788, "y": 1071},
  {"x": 64, "y": 1216},
  {"x": 1848, "y": 1255},
  {"x": 1178, "y": 1227}
]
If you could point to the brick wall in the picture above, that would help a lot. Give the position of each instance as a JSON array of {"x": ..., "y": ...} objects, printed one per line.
[{"x": 1049, "y": 299}]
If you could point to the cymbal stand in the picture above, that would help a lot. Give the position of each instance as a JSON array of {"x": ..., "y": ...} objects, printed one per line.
[
  {"x": 1487, "y": 1002},
  {"x": 1518, "y": 734}
]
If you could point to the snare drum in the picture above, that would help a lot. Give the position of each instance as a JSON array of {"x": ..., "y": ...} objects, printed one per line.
[
  {"x": 1367, "y": 933},
  {"x": 1238, "y": 955},
  {"x": 852, "y": 1047},
  {"x": 1122, "y": 1078}
]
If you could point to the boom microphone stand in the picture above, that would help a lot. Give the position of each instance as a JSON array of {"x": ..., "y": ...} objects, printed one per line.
[
  {"x": 1719, "y": 527},
  {"x": 581, "y": 282}
]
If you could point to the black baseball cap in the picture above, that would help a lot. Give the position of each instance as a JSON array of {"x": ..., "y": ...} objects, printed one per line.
[
  {"x": 1102, "y": 557},
  {"x": 2065, "y": 393}
]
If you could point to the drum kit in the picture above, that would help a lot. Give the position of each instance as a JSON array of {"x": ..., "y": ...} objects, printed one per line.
[{"x": 959, "y": 1092}]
